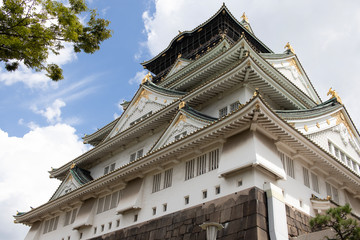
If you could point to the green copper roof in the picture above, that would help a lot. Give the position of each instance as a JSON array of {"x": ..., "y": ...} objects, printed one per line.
[{"x": 82, "y": 176}]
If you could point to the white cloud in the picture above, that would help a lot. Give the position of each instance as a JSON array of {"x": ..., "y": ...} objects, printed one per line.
[
  {"x": 24, "y": 165},
  {"x": 139, "y": 76},
  {"x": 52, "y": 113}
]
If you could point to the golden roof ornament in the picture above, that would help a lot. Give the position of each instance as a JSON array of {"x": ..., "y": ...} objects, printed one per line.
[
  {"x": 182, "y": 104},
  {"x": 148, "y": 77},
  {"x": 334, "y": 95},
  {"x": 289, "y": 48},
  {"x": 72, "y": 166},
  {"x": 245, "y": 18}
]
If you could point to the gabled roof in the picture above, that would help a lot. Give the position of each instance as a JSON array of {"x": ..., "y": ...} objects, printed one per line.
[
  {"x": 186, "y": 121},
  {"x": 179, "y": 44}
]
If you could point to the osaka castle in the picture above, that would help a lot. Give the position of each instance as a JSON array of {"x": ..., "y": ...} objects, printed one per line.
[{"x": 224, "y": 139}]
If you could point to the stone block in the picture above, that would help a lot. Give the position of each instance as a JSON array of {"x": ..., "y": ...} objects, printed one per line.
[
  {"x": 237, "y": 212},
  {"x": 225, "y": 215}
]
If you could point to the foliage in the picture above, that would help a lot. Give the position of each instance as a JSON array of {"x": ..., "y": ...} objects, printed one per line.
[
  {"x": 31, "y": 29},
  {"x": 338, "y": 219}
]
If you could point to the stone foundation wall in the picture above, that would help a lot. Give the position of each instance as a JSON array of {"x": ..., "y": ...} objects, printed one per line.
[
  {"x": 298, "y": 222},
  {"x": 243, "y": 215}
]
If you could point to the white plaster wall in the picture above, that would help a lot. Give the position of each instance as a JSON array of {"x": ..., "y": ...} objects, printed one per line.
[
  {"x": 242, "y": 95},
  {"x": 123, "y": 157}
]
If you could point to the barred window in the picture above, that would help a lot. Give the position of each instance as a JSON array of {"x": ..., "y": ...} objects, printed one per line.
[
  {"x": 315, "y": 183},
  {"x": 108, "y": 202},
  {"x": 214, "y": 160},
  {"x": 168, "y": 178},
  {"x": 138, "y": 154},
  {"x": 201, "y": 165},
  {"x": 109, "y": 168},
  {"x": 288, "y": 164},
  {"x": 51, "y": 225},
  {"x": 156, "y": 182},
  {"x": 223, "y": 112},
  {"x": 332, "y": 192},
  {"x": 189, "y": 169},
  {"x": 306, "y": 177},
  {"x": 234, "y": 106}
]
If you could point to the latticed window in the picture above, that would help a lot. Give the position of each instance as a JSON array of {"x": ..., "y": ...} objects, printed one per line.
[
  {"x": 189, "y": 169},
  {"x": 306, "y": 177},
  {"x": 234, "y": 106},
  {"x": 108, "y": 202},
  {"x": 315, "y": 183},
  {"x": 288, "y": 164},
  {"x": 156, "y": 182},
  {"x": 214, "y": 160},
  {"x": 201, "y": 165},
  {"x": 332, "y": 192},
  {"x": 51, "y": 225},
  {"x": 136, "y": 155},
  {"x": 168, "y": 178},
  {"x": 70, "y": 217},
  {"x": 223, "y": 112}
]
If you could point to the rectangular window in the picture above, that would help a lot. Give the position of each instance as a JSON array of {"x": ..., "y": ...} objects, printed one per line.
[
  {"x": 106, "y": 170},
  {"x": 306, "y": 177},
  {"x": 108, "y": 202},
  {"x": 315, "y": 183},
  {"x": 201, "y": 165},
  {"x": 112, "y": 167},
  {"x": 217, "y": 190},
  {"x": 139, "y": 153},
  {"x": 223, "y": 112},
  {"x": 189, "y": 169},
  {"x": 117, "y": 223},
  {"x": 132, "y": 157},
  {"x": 164, "y": 207},
  {"x": 154, "y": 211},
  {"x": 234, "y": 106},
  {"x": 156, "y": 183},
  {"x": 110, "y": 225},
  {"x": 51, "y": 225},
  {"x": 214, "y": 160},
  {"x": 67, "y": 218},
  {"x": 168, "y": 178},
  {"x": 328, "y": 189},
  {"x": 290, "y": 167},
  {"x": 135, "y": 218},
  {"x": 73, "y": 215},
  {"x": 204, "y": 194},
  {"x": 330, "y": 147},
  {"x": 187, "y": 200},
  {"x": 337, "y": 152}
]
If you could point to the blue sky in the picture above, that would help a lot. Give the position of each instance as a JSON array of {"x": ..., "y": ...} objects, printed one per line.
[{"x": 42, "y": 122}]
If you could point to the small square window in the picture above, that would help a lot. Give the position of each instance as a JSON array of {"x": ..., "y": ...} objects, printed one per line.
[
  {"x": 112, "y": 167},
  {"x": 187, "y": 200},
  {"x": 239, "y": 183},
  {"x": 135, "y": 218},
  {"x": 301, "y": 203},
  {"x": 106, "y": 170},
  {"x": 204, "y": 194},
  {"x": 164, "y": 207},
  {"x": 102, "y": 227},
  {"x": 110, "y": 225},
  {"x": 217, "y": 190},
  {"x": 117, "y": 223},
  {"x": 132, "y": 157},
  {"x": 223, "y": 112},
  {"x": 154, "y": 210},
  {"x": 95, "y": 229}
]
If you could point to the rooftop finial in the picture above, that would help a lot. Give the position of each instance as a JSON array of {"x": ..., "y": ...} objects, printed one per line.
[
  {"x": 182, "y": 104},
  {"x": 147, "y": 77},
  {"x": 288, "y": 47},
  {"x": 334, "y": 95},
  {"x": 245, "y": 18}
]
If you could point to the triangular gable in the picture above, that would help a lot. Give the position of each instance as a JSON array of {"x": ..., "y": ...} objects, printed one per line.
[
  {"x": 332, "y": 124},
  {"x": 291, "y": 68},
  {"x": 148, "y": 100},
  {"x": 179, "y": 64},
  {"x": 186, "y": 121}
]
